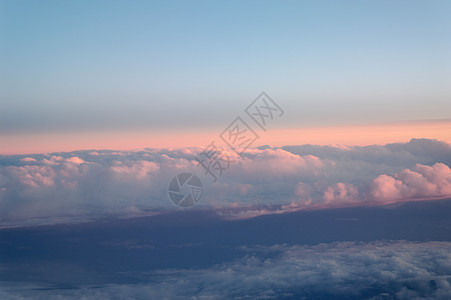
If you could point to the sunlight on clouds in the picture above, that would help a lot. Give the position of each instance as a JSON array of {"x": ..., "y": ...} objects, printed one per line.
[{"x": 36, "y": 188}]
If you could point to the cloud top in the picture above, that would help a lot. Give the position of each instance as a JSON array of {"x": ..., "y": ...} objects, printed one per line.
[
  {"x": 344, "y": 270},
  {"x": 49, "y": 188}
]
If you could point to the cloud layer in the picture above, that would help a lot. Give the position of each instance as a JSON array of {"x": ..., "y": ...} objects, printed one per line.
[
  {"x": 75, "y": 186},
  {"x": 345, "y": 270}
]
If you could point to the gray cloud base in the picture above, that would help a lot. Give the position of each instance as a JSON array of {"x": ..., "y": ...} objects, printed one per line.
[{"x": 342, "y": 270}]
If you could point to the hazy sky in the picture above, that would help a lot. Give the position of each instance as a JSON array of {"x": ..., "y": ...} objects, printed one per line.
[{"x": 115, "y": 65}]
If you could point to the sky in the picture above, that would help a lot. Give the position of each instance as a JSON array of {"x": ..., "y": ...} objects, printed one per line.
[
  {"x": 110, "y": 69},
  {"x": 313, "y": 139}
]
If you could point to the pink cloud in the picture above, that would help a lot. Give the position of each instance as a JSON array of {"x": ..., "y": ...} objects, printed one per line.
[
  {"x": 33, "y": 176},
  {"x": 278, "y": 162},
  {"x": 342, "y": 193},
  {"x": 136, "y": 169},
  {"x": 262, "y": 181},
  {"x": 425, "y": 181},
  {"x": 75, "y": 160},
  {"x": 385, "y": 187},
  {"x": 28, "y": 159}
]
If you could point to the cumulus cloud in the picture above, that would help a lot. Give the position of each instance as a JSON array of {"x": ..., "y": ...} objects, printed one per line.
[
  {"x": 134, "y": 169},
  {"x": 48, "y": 188},
  {"x": 422, "y": 182},
  {"x": 350, "y": 270}
]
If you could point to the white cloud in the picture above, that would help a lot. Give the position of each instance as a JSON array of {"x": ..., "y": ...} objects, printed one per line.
[{"x": 41, "y": 188}]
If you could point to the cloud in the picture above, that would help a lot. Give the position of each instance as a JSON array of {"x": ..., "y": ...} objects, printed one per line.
[
  {"x": 33, "y": 176},
  {"x": 341, "y": 192},
  {"x": 134, "y": 169},
  {"x": 423, "y": 182},
  {"x": 28, "y": 159},
  {"x": 351, "y": 270},
  {"x": 49, "y": 188}
]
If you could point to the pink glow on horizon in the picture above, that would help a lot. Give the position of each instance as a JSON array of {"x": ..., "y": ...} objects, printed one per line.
[
  {"x": 361, "y": 135},
  {"x": 132, "y": 140}
]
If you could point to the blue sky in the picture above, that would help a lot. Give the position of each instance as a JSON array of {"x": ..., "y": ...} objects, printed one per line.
[{"x": 89, "y": 65}]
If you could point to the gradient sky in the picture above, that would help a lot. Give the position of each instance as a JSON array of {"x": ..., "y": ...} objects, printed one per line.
[{"x": 106, "y": 66}]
